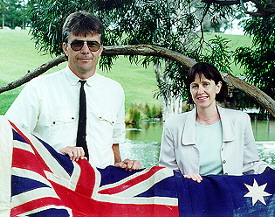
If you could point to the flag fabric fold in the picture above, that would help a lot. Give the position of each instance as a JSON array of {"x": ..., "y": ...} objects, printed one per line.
[{"x": 35, "y": 180}]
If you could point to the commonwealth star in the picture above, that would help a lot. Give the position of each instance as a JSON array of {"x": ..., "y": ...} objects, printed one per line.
[{"x": 256, "y": 192}]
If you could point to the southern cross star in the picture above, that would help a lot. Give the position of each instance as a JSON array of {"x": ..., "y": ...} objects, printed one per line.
[{"x": 256, "y": 192}]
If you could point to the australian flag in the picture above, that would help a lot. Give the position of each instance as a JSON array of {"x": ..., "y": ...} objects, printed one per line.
[{"x": 35, "y": 180}]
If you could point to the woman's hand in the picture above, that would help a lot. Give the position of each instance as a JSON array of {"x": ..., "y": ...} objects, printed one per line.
[{"x": 194, "y": 177}]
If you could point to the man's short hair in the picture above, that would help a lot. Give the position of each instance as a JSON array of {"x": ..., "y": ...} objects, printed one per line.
[{"x": 82, "y": 24}]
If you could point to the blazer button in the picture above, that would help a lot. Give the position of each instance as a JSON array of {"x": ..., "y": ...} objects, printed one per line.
[
  {"x": 224, "y": 161},
  {"x": 225, "y": 173}
]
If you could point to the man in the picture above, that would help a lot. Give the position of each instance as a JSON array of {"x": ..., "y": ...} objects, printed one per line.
[{"x": 49, "y": 106}]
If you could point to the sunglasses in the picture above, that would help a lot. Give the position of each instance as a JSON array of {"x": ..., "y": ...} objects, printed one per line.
[{"x": 77, "y": 45}]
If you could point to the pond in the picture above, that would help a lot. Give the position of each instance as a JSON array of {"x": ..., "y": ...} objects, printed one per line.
[{"x": 143, "y": 144}]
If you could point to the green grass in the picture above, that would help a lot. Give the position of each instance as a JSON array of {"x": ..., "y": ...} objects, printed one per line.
[
  {"x": 18, "y": 55},
  {"x": 138, "y": 82}
]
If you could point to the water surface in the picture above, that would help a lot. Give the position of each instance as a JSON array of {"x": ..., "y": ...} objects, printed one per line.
[{"x": 143, "y": 143}]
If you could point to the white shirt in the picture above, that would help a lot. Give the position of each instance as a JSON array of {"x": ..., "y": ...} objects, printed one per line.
[{"x": 48, "y": 107}]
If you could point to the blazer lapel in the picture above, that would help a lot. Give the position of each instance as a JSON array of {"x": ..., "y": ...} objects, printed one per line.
[
  {"x": 227, "y": 126},
  {"x": 188, "y": 133}
]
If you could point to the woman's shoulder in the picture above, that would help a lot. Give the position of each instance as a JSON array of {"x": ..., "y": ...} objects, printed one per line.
[
  {"x": 178, "y": 119},
  {"x": 233, "y": 113}
]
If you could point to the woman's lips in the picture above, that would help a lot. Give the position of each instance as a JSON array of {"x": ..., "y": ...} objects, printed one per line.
[{"x": 202, "y": 97}]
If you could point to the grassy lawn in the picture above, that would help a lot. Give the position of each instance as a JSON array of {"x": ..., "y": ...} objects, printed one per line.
[
  {"x": 138, "y": 82},
  {"x": 18, "y": 55}
]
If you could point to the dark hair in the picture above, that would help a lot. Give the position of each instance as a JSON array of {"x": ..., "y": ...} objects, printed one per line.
[
  {"x": 210, "y": 72},
  {"x": 82, "y": 23}
]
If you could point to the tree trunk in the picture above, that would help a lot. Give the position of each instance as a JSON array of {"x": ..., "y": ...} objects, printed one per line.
[
  {"x": 149, "y": 50},
  {"x": 171, "y": 104}
]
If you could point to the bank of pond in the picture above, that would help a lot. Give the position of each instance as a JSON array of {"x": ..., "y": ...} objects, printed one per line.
[{"x": 143, "y": 143}]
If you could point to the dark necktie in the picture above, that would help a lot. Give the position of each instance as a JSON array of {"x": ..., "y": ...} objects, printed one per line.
[{"x": 81, "y": 132}]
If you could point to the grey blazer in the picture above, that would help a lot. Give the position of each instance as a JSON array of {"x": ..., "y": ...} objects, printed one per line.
[{"x": 238, "y": 152}]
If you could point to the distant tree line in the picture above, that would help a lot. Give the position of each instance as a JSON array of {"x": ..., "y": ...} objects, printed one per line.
[{"x": 14, "y": 13}]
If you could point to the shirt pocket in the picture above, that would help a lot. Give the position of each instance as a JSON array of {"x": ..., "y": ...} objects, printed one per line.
[
  {"x": 62, "y": 118},
  {"x": 106, "y": 122},
  {"x": 64, "y": 127},
  {"x": 100, "y": 128},
  {"x": 106, "y": 118}
]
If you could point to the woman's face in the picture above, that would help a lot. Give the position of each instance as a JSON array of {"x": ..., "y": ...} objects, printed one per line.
[{"x": 204, "y": 91}]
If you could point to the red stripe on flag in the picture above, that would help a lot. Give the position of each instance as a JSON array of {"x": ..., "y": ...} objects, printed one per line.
[
  {"x": 87, "y": 178},
  {"x": 35, "y": 204},
  {"x": 91, "y": 207},
  {"x": 131, "y": 182},
  {"x": 19, "y": 161},
  {"x": 45, "y": 166}
]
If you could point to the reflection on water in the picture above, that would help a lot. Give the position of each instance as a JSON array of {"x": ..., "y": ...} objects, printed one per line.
[
  {"x": 267, "y": 151},
  {"x": 143, "y": 144},
  {"x": 145, "y": 152},
  {"x": 263, "y": 130},
  {"x": 148, "y": 131}
]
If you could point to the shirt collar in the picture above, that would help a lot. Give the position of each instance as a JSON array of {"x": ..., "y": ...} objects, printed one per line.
[{"x": 73, "y": 79}]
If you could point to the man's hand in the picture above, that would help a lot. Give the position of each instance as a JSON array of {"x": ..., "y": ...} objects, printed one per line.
[
  {"x": 194, "y": 177},
  {"x": 74, "y": 153},
  {"x": 129, "y": 165}
]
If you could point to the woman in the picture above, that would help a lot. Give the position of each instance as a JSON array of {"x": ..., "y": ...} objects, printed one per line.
[{"x": 209, "y": 139}]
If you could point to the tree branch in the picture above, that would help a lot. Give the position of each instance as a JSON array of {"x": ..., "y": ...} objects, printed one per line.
[
  {"x": 30, "y": 75},
  {"x": 150, "y": 50},
  {"x": 264, "y": 8}
]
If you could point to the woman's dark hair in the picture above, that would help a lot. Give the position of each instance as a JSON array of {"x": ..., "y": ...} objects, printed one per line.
[
  {"x": 210, "y": 72},
  {"x": 82, "y": 23}
]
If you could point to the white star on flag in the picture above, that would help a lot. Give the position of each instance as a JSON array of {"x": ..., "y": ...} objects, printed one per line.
[{"x": 256, "y": 192}]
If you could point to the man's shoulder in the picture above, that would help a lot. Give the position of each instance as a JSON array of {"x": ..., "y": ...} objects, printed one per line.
[
  {"x": 108, "y": 81},
  {"x": 45, "y": 80}
]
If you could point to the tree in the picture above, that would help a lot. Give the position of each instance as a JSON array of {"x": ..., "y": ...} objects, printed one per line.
[
  {"x": 259, "y": 60},
  {"x": 149, "y": 50},
  {"x": 3, "y": 9},
  {"x": 165, "y": 23},
  {"x": 14, "y": 13},
  {"x": 176, "y": 25}
]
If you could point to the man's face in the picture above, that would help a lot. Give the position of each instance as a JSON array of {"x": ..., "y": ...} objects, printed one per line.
[{"x": 83, "y": 61}]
